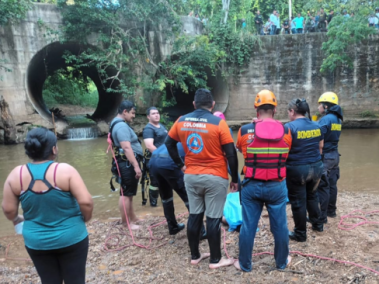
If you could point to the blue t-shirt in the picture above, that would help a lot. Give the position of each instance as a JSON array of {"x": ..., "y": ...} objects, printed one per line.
[
  {"x": 162, "y": 158},
  {"x": 330, "y": 126},
  {"x": 299, "y": 22},
  {"x": 306, "y": 136}
]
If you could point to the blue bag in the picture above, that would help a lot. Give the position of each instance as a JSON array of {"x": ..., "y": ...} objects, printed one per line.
[{"x": 233, "y": 210}]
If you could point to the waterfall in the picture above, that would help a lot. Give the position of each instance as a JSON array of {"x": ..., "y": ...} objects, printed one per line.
[{"x": 82, "y": 133}]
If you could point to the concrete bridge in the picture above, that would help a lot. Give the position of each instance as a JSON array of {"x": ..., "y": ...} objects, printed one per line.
[{"x": 288, "y": 65}]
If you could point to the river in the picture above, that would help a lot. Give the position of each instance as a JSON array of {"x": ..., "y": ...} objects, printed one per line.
[{"x": 359, "y": 171}]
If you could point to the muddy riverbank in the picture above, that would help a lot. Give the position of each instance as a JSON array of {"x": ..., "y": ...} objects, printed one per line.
[{"x": 170, "y": 262}]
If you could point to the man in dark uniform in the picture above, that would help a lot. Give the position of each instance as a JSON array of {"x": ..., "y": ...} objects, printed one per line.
[
  {"x": 258, "y": 23},
  {"x": 330, "y": 125},
  {"x": 154, "y": 135},
  {"x": 128, "y": 151}
]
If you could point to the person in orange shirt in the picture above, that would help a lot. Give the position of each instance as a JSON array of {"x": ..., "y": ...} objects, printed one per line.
[
  {"x": 208, "y": 147},
  {"x": 265, "y": 146}
]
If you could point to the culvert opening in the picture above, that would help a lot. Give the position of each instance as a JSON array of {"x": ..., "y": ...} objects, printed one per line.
[
  {"x": 49, "y": 60},
  {"x": 183, "y": 102}
]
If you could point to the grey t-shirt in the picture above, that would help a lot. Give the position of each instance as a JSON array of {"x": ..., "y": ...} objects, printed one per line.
[
  {"x": 159, "y": 134},
  {"x": 122, "y": 132}
]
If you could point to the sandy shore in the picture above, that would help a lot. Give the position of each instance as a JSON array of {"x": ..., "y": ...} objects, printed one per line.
[{"x": 169, "y": 263}]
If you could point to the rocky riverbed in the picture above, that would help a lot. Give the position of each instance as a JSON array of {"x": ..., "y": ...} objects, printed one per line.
[{"x": 168, "y": 259}]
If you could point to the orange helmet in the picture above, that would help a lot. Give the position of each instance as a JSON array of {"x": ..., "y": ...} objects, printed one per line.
[{"x": 265, "y": 97}]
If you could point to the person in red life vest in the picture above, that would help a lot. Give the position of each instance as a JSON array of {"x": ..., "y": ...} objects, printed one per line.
[
  {"x": 208, "y": 147},
  {"x": 304, "y": 169},
  {"x": 265, "y": 146}
]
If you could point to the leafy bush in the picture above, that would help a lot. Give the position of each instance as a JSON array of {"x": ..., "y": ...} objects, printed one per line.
[{"x": 69, "y": 87}]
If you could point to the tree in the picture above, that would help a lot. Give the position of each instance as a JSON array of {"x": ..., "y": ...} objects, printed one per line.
[
  {"x": 13, "y": 10},
  {"x": 344, "y": 32}
]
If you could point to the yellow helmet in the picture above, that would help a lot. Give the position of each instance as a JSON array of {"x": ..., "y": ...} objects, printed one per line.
[
  {"x": 265, "y": 97},
  {"x": 328, "y": 97}
]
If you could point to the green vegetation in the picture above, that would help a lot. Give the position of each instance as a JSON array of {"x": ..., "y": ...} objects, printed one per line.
[
  {"x": 368, "y": 114},
  {"x": 344, "y": 33},
  {"x": 223, "y": 48},
  {"x": 69, "y": 87}
]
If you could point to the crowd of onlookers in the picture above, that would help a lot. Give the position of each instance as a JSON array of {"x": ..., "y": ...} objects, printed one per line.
[
  {"x": 299, "y": 24},
  {"x": 312, "y": 22}
]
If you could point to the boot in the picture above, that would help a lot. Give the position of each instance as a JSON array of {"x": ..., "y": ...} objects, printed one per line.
[
  {"x": 193, "y": 232},
  {"x": 214, "y": 238},
  {"x": 153, "y": 196},
  {"x": 297, "y": 237},
  {"x": 169, "y": 213}
]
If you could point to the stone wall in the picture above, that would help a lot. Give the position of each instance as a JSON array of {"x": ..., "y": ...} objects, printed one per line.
[
  {"x": 289, "y": 65},
  {"x": 18, "y": 44}
]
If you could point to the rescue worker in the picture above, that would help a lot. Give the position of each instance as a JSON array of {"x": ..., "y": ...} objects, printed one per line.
[
  {"x": 169, "y": 177},
  {"x": 330, "y": 125},
  {"x": 154, "y": 135},
  {"x": 128, "y": 151},
  {"x": 265, "y": 147},
  {"x": 208, "y": 147},
  {"x": 304, "y": 169}
]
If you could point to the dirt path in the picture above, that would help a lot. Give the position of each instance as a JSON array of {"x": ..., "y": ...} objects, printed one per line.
[{"x": 170, "y": 263}]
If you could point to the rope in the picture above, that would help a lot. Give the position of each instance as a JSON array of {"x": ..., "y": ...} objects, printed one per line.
[{"x": 343, "y": 225}]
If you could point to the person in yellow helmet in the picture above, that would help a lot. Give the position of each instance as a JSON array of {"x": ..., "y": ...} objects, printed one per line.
[
  {"x": 265, "y": 146},
  {"x": 330, "y": 125}
]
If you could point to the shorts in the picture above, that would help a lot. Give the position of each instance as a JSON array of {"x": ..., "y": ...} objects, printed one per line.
[
  {"x": 129, "y": 183},
  {"x": 206, "y": 193}
]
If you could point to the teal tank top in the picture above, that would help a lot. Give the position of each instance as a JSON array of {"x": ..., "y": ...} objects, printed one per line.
[{"x": 52, "y": 218}]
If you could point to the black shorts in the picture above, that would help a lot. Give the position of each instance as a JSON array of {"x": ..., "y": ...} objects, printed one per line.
[{"x": 129, "y": 183}]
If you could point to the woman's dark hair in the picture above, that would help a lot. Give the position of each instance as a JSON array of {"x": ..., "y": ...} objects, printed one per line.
[
  {"x": 203, "y": 99},
  {"x": 126, "y": 105},
  {"x": 39, "y": 143},
  {"x": 300, "y": 106}
]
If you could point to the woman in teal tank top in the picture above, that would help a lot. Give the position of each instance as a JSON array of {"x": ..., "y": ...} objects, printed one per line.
[{"x": 56, "y": 205}]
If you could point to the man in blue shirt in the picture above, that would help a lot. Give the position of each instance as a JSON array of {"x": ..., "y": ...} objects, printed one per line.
[
  {"x": 330, "y": 125},
  {"x": 170, "y": 177},
  {"x": 299, "y": 23}
]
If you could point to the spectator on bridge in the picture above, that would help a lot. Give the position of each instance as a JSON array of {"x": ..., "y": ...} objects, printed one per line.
[
  {"x": 322, "y": 23},
  {"x": 372, "y": 20},
  {"x": 243, "y": 26},
  {"x": 258, "y": 23},
  {"x": 330, "y": 17},
  {"x": 278, "y": 26},
  {"x": 286, "y": 26},
  {"x": 293, "y": 26},
  {"x": 317, "y": 21},
  {"x": 345, "y": 14},
  {"x": 310, "y": 25},
  {"x": 299, "y": 23},
  {"x": 273, "y": 21},
  {"x": 267, "y": 27}
]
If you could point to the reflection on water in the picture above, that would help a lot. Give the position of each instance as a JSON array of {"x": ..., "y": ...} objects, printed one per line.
[{"x": 359, "y": 170}]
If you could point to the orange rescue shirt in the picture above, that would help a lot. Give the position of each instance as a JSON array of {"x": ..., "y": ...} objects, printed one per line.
[{"x": 202, "y": 135}]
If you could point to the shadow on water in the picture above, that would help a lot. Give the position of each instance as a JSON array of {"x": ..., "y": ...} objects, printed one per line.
[{"x": 359, "y": 164}]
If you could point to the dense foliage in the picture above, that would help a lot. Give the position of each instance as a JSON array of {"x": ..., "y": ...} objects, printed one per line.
[
  {"x": 121, "y": 30},
  {"x": 69, "y": 86}
]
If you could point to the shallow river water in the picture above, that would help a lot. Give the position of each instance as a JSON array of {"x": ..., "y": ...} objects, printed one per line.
[{"x": 359, "y": 171}]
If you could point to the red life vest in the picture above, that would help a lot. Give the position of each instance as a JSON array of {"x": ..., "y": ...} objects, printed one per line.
[{"x": 267, "y": 154}]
